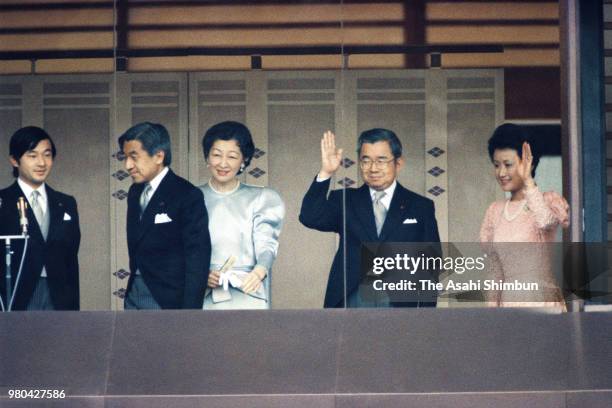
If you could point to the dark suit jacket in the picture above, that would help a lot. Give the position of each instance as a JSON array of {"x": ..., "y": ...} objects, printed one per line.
[
  {"x": 59, "y": 253},
  {"x": 324, "y": 213},
  {"x": 173, "y": 257}
]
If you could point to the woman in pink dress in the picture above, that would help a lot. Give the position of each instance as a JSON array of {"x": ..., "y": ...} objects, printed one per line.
[{"x": 528, "y": 216}]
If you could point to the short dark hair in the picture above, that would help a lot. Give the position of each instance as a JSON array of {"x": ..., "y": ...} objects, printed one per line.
[
  {"x": 381, "y": 135},
  {"x": 511, "y": 136},
  {"x": 153, "y": 136},
  {"x": 230, "y": 130},
  {"x": 26, "y": 139}
]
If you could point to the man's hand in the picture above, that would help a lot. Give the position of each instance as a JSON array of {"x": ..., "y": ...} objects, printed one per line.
[
  {"x": 252, "y": 282},
  {"x": 330, "y": 156},
  {"x": 213, "y": 279}
]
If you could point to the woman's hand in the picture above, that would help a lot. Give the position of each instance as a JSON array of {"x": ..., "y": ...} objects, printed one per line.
[
  {"x": 213, "y": 279},
  {"x": 525, "y": 166},
  {"x": 330, "y": 156},
  {"x": 252, "y": 282}
]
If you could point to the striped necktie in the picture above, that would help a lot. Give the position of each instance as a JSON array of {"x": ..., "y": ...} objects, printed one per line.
[
  {"x": 39, "y": 214},
  {"x": 145, "y": 197},
  {"x": 380, "y": 212}
]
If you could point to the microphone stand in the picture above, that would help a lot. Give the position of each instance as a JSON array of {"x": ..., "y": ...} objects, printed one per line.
[{"x": 8, "y": 252}]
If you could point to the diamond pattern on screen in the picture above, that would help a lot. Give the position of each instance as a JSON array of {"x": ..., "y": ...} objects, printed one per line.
[
  {"x": 258, "y": 153},
  {"x": 435, "y": 171},
  {"x": 346, "y": 182},
  {"x": 120, "y": 194},
  {"x": 436, "y": 151},
  {"x": 121, "y": 274},
  {"x": 257, "y": 172},
  {"x": 436, "y": 190},
  {"x": 120, "y": 293},
  {"x": 121, "y": 175},
  {"x": 346, "y": 162}
]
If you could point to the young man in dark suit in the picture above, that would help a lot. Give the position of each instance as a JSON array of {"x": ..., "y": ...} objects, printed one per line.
[
  {"x": 49, "y": 279},
  {"x": 167, "y": 226},
  {"x": 380, "y": 211}
]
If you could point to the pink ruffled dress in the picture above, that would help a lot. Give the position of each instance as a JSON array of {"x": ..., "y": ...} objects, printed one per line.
[{"x": 518, "y": 234}]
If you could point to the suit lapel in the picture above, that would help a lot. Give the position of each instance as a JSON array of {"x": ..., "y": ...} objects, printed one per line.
[
  {"x": 33, "y": 227},
  {"x": 156, "y": 204},
  {"x": 398, "y": 207},
  {"x": 133, "y": 217},
  {"x": 365, "y": 212},
  {"x": 56, "y": 212}
]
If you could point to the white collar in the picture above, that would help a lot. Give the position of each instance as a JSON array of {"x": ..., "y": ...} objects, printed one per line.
[
  {"x": 389, "y": 190},
  {"x": 157, "y": 180},
  {"x": 28, "y": 189},
  {"x": 386, "y": 200}
]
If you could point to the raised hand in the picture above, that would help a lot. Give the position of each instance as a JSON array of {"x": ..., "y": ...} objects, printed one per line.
[
  {"x": 330, "y": 156},
  {"x": 525, "y": 165}
]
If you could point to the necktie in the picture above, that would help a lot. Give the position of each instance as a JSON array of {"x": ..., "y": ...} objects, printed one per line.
[
  {"x": 145, "y": 197},
  {"x": 38, "y": 213},
  {"x": 380, "y": 212}
]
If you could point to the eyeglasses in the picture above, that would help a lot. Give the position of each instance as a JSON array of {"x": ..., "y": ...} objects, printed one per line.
[{"x": 380, "y": 163}]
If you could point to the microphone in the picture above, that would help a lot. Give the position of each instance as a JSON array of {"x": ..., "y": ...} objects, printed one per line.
[{"x": 22, "y": 206}]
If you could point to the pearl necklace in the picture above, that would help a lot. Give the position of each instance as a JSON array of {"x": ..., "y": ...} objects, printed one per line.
[
  {"x": 224, "y": 192},
  {"x": 514, "y": 216}
]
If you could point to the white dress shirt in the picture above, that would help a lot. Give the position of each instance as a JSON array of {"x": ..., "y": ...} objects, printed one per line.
[
  {"x": 157, "y": 181},
  {"x": 27, "y": 191},
  {"x": 43, "y": 203},
  {"x": 386, "y": 200}
]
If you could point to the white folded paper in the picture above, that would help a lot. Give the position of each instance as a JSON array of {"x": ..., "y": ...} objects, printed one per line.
[{"x": 234, "y": 278}]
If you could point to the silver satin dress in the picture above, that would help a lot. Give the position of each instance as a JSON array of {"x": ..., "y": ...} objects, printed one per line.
[{"x": 244, "y": 223}]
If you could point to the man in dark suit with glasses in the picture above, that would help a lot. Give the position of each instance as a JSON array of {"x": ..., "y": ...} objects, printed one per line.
[{"x": 380, "y": 211}]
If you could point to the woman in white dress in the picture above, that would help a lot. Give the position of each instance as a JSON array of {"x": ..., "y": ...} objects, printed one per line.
[{"x": 244, "y": 222}]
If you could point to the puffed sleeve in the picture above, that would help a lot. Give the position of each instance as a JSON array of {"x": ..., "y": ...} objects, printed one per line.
[
  {"x": 548, "y": 209},
  {"x": 269, "y": 213}
]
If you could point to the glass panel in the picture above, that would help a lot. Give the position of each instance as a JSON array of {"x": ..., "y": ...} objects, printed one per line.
[
  {"x": 286, "y": 112},
  {"x": 295, "y": 127},
  {"x": 442, "y": 117},
  {"x": 69, "y": 96}
]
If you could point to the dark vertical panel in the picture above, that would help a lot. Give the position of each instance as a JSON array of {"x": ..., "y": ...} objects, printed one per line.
[
  {"x": 592, "y": 121},
  {"x": 122, "y": 22},
  {"x": 532, "y": 93},
  {"x": 567, "y": 29},
  {"x": 414, "y": 31}
]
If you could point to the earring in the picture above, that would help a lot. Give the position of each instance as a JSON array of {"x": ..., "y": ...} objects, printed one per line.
[{"x": 242, "y": 167}]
